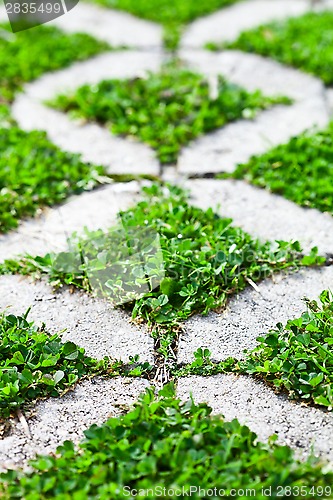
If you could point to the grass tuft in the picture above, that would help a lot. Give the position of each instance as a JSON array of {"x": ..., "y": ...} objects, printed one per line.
[
  {"x": 296, "y": 358},
  {"x": 160, "y": 444},
  {"x": 26, "y": 55},
  {"x": 301, "y": 170},
  {"x": 35, "y": 173},
  {"x": 204, "y": 259},
  {"x": 35, "y": 364},
  {"x": 166, "y": 110}
]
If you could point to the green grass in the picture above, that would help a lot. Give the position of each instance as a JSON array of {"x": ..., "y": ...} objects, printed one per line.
[
  {"x": 27, "y": 55},
  {"x": 6, "y": 119},
  {"x": 35, "y": 173},
  {"x": 160, "y": 444},
  {"x": 301, "y": 170},
  {"x": 296, "y": 358},
  {"x": 173, "y": 14},
  {"x": 206, "y": 259},
  {"x": 35, "y": 364},
  {"x": 304, "y": 42},
  {"x": 166, "y": 110}
]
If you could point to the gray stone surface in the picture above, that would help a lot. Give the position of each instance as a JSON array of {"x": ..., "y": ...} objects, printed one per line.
[
  {"x": 95, "y": 143},
  {"x": 109, "y": 65},
  {"x": 266, "y": 413},
  {"x": 112, "y": 26},
  {"x": 59, "y": 419},
  {"x": 91, "y": 323},
  {"x": 115, "y": 27},
  {"x": 262, "y": 214},
  {"x": 235, "y": 143},
  {"x": 252, "y": 313},
  {"x": 254, "y": 72},
  {"x": 226, "y": 24},
  {"x": 97, "y": 209},
  {"x": 223, "y": 150}
]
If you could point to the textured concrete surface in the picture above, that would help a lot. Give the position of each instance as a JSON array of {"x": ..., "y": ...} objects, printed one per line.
[
  {"x": 95, "y": 143},
  {"x": 56, "y": 420},
  {"x": 218, "y": 151},
  {"x": 254, "y": 72},
  {"x": 91, "y": 323},
  {"x": 228, "y": 23},
  {"x": 264, "y": 215},
  {"x": 110, "y": 65},
  {"x": 97, "y": 209},
  {"x": 115, "y": 27},
  {"x": 223, "y": 150},
  {"x": 252, "y": 313},
  {"x": 266, "y": 413},
  {"x": 235, "y": 143}
]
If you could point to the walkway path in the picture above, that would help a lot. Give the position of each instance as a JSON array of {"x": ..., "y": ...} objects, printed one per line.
[{"x": 105, "y": 331}]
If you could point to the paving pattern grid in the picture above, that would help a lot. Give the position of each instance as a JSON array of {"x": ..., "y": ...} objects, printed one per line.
[{"x": 102, "y": 330}]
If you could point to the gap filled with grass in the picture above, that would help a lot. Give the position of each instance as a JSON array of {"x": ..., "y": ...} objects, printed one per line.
[
  {"x": 305, "y": 42},
  {"x": 163, "y": 443},
  {"x": 35, "y": 364},
  {"x": 26, "y": 55},
  {"x": 166, "y": 110},
  {"x": 301, "y": 170},
  {"x": 173, "y": 14},
  {"x": 35, "y": 173},
  {"x": 204, "y": 259},
  {"x": 296, "y": 358}
]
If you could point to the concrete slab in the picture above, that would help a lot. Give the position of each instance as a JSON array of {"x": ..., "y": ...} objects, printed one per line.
[
  {"x": 264, "y": 215},
  {"x": 251, "y": 314},
  {"x": 266, "y": 413},
  {"x": 91, "y": 323},
  {"x": 56, "y": 420}
]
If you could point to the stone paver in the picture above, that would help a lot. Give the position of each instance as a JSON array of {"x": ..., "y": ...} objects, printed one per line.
[
  {"x": 265, "y": 215},
  {"x": 97, "y": 209},
  {"x": 222, "y": 150},
  {"x": 117, "y": 64},
  {"x": 251, "y": 314},
  {"x": 266, "y": 413},
  {"x": 235, "y": 143},
  {"x": 89, "y": 322},
  {"x": 255, "y": 72},
  {"x": 57, "y": 420},
  {"x": 95, "y": 143},
  {"x": 227, "y": 24},
  {"x": 116, "y": 28}
]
